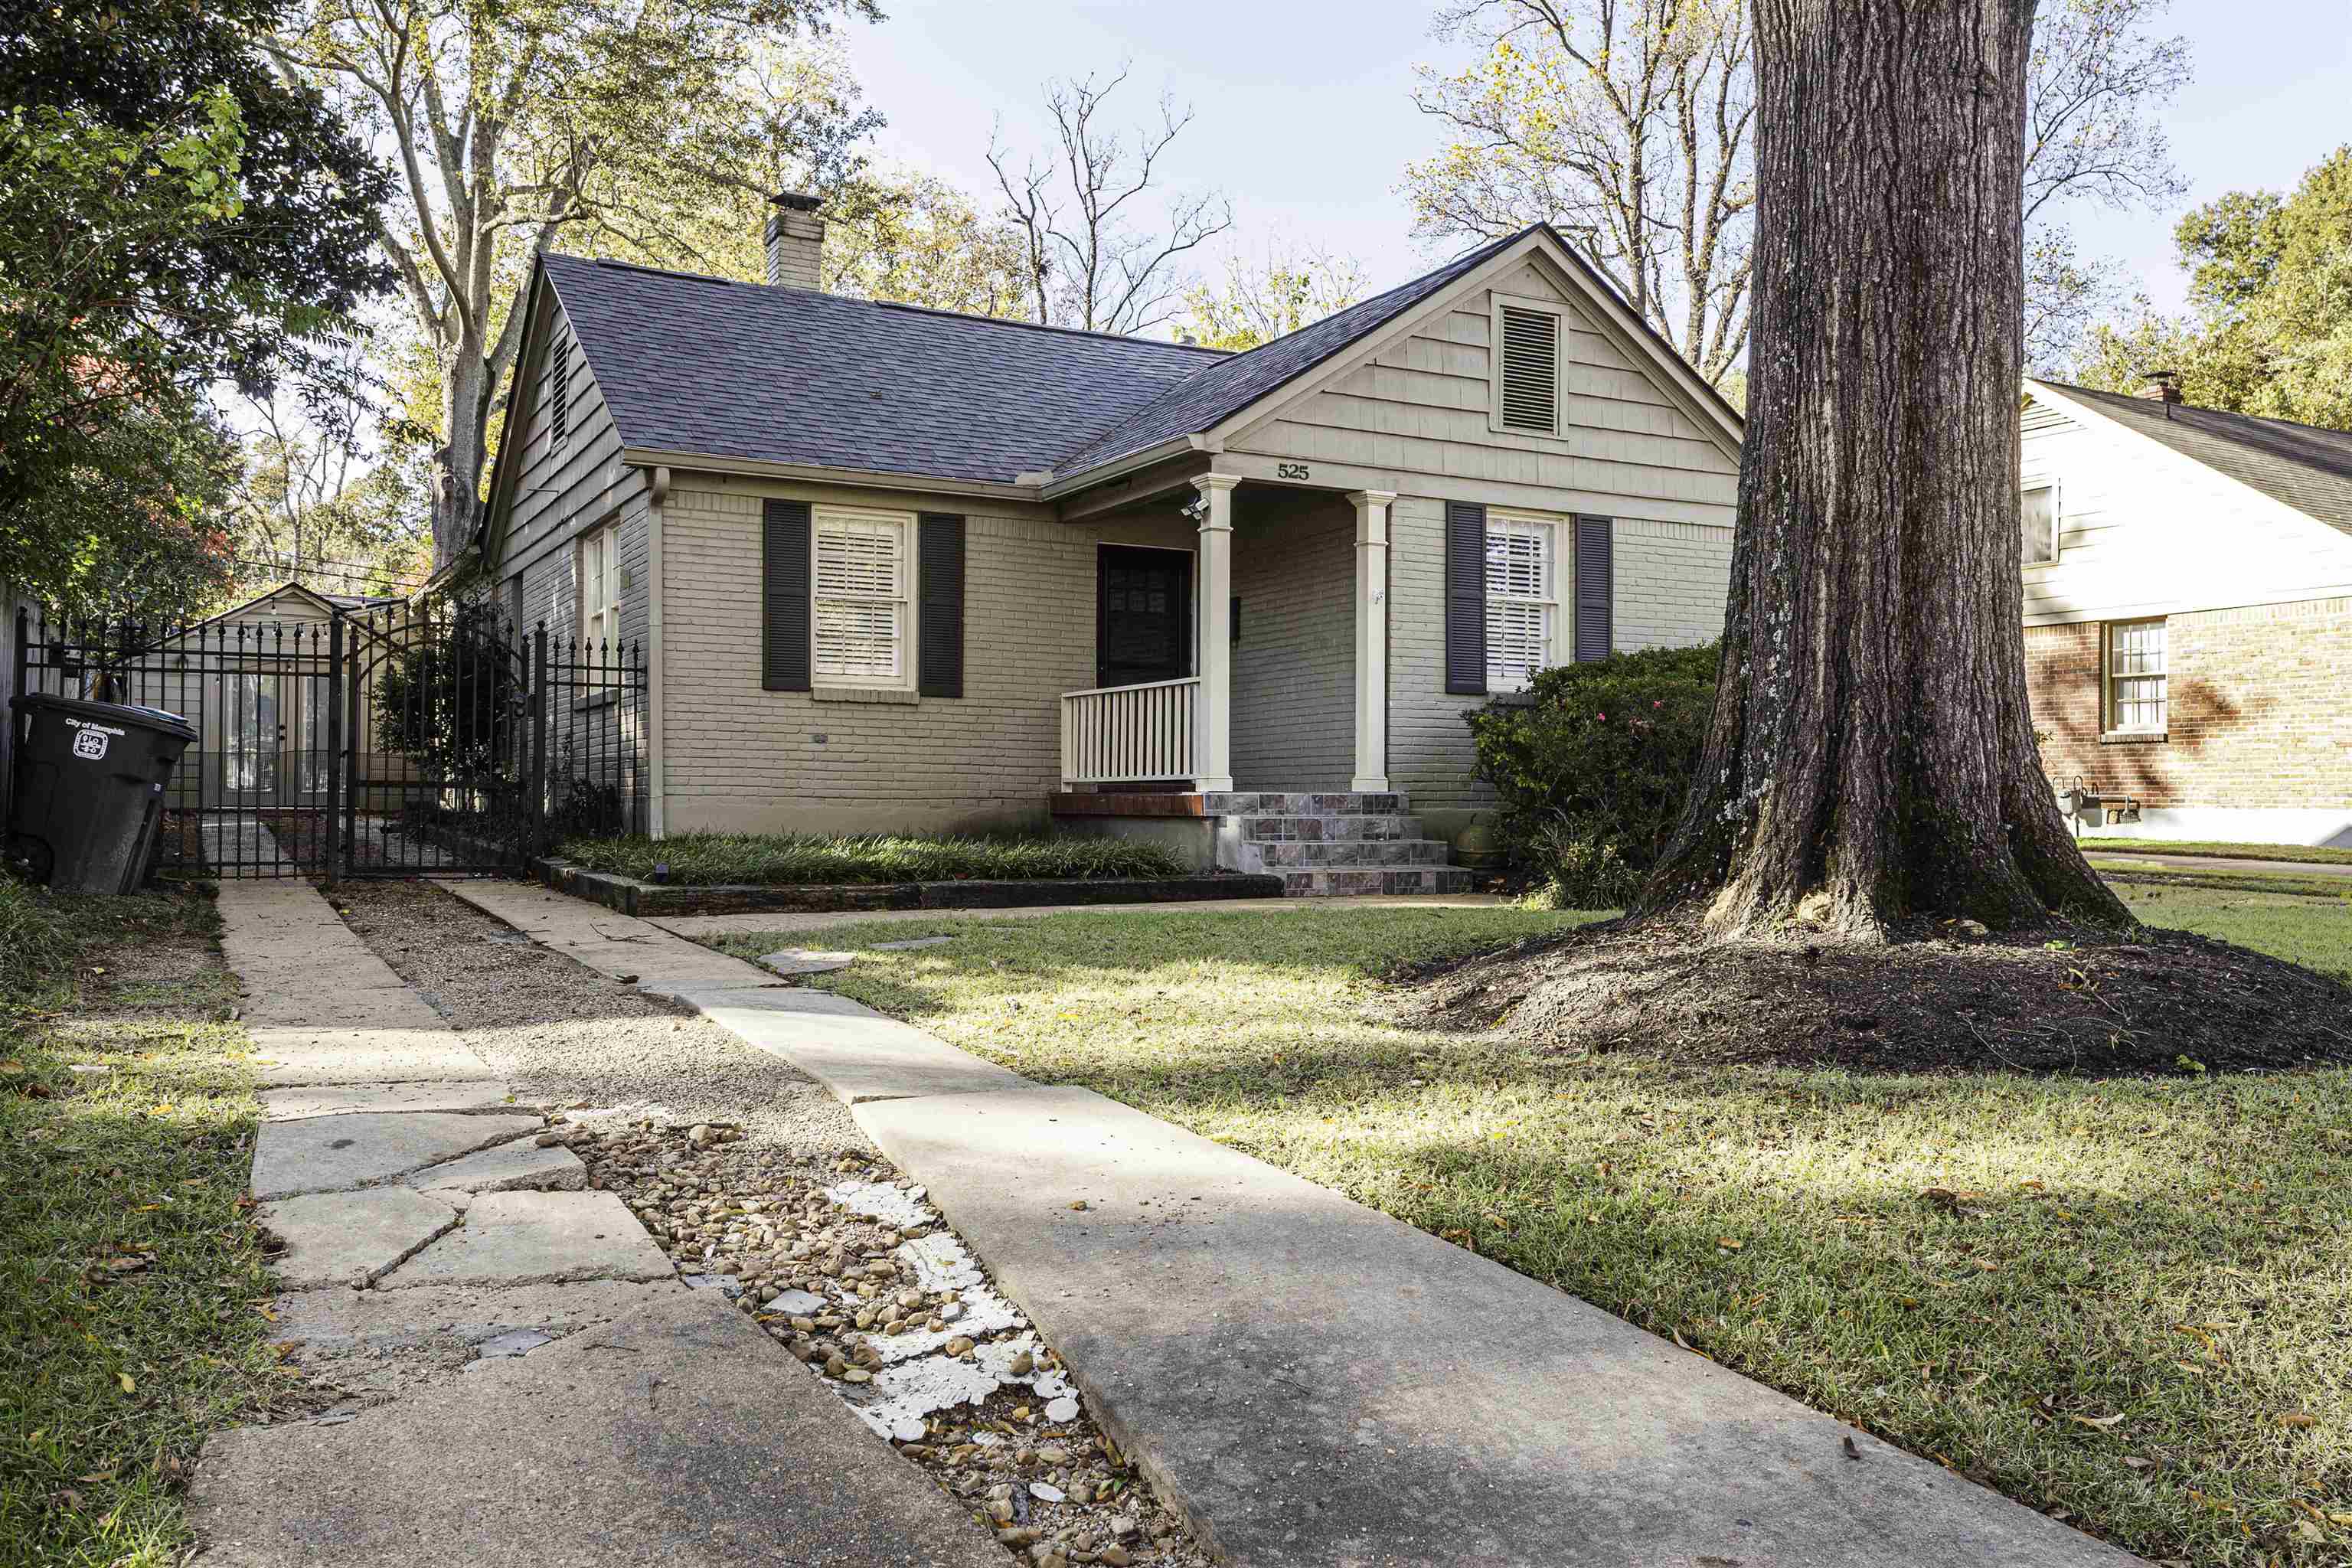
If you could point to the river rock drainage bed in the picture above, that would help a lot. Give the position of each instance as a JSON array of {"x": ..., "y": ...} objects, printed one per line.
[{"x": 844, "y": 1263}]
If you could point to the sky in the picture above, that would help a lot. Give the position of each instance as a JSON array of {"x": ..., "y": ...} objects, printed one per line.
[{"x": 1305, "y": 117}]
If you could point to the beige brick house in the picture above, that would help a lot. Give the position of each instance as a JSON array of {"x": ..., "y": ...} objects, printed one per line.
[
  {"x": 2188, "y": 615},
  {"x": 897, "y": 568}
]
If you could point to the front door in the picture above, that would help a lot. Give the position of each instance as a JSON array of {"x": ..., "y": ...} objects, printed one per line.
[{"x": 1143, "y": 615}]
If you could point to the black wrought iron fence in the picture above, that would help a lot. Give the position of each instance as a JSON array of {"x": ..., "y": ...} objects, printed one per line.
[{"x": 385, "y": 739}]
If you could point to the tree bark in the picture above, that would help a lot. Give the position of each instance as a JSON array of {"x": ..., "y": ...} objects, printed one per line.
[{"x": 1871, "y": 757}]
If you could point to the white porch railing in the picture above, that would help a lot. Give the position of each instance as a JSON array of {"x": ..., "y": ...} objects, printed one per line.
[{"x": 1131, "y": 734}]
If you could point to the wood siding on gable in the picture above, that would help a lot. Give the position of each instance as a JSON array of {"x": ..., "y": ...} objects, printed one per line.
[
  {"x": 2143, "y": 530},
  {"x": 565, "y": 488},
  {"x": 1423, "y": 407}
]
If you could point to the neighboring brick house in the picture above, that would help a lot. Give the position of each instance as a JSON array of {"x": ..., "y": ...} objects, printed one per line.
[
  {"x": 2189, "y": 614},
  {"x": 897, "y": 568}
]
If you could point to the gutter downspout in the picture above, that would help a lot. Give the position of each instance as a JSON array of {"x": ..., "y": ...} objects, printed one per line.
[{"x": 656, "y": 492}]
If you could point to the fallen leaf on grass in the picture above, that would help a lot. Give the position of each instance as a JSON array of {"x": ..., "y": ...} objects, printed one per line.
[
  {"x": 2096, "y": 1423},
  {"x": 128, "y": 1384},
  {"x": 1727, "y": 1244},
  {"x": 2135, "y": 1462},
  {"x": 2297, "y": 1418}
]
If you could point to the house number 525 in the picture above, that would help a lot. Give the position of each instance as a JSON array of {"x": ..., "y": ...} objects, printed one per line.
[{"x": 1290, "y": 470}]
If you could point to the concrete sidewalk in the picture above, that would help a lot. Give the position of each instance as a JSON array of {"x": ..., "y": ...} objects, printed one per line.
[
  {"x": 1313, "y": 1382},
  {"x": 435, "y": 1235},
  {"x": 2134, "y": 859}
]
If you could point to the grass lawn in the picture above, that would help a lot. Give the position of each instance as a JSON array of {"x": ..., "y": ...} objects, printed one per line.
[
  {"x": 2304, "y": 854},
  {"x": 705, "y": 859},
  {"x": 128, "y": 1274},
  {"x": 2122, "y": 1302}
]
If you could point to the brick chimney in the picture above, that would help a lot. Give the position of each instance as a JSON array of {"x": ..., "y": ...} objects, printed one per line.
[
  {"x": 2163, "y": 385},
  {"x": 795, "y": 241}
]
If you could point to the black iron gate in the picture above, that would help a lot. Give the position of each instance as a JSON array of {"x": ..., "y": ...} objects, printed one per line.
[{"x": 383, "y": 740}]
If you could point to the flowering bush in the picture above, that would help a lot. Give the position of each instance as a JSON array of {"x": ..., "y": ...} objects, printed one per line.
[{"x": 1589, "y": 765}]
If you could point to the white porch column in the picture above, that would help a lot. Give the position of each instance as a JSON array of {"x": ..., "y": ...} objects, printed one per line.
[
  {"x": 1213, "y": 739},
  {"x": 1371, "y": 641}
]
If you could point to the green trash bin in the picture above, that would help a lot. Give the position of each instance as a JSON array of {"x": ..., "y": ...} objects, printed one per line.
[{"x": 89, "y": 790}]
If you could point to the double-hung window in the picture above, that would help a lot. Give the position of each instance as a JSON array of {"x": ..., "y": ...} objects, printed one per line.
[
  {"x": 861, "y": 586},
  {"x": 1522, "y": 599},
  {"x": 2135, "y": 696},
  {"x": 2038, "y": 522},
  {"x": 600, "y": 586}
]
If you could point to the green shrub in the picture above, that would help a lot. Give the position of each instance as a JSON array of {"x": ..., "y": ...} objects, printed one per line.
[
  {"x": 702, "y": 859},
  {"x": 1589, "y": 767}
]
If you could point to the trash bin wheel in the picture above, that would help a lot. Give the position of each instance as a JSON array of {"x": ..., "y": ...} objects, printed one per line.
[{"x": 29, "y": 858}]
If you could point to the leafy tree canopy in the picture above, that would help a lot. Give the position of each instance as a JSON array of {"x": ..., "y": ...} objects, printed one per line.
[{"x": 2269, "y": 325}]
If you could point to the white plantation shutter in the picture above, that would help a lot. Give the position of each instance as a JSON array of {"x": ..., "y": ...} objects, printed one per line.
[
  {"x": 861, "y": 597},
  {"x": 1521, "y": 600}
]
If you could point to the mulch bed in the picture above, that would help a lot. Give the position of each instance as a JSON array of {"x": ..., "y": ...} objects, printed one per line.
[{"x": 2062, "y": 998}]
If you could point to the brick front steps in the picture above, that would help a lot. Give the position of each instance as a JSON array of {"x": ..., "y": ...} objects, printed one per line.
[{"x": 1321, "y": 845}]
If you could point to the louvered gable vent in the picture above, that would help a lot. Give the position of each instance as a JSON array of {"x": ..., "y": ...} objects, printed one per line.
[{"x": 1530, "y": 371}]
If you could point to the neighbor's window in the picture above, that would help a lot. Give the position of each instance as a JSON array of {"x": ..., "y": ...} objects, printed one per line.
[
  {"x": 2135, "y": 676},
  {"x": 600, "y": 586},
  {"x": 1522, "y": 599},
  {"x": 861, "y": 596},
  {"x": 2038, "y": 515}
]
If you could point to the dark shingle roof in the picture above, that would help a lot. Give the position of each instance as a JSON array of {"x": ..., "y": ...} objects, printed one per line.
[
  {"x": 1228, "y": 386},
  {"x": 2301, "y": 466},
  {"x": 788, "y": 375}
]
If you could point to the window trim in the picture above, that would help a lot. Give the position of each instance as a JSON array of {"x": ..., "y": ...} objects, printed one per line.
[
  {"x": 2057, "y": 522},
  {"x": 1558, "y": 312},
  {"x": 606, "y": 538},
  {"x": 906, "y": 598},
  {"x": 1560, "y": 597},
  {"x": 2108, "y": 724}
]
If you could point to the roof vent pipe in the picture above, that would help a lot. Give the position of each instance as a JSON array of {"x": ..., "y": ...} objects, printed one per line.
[{"x": 795, "y": 237}]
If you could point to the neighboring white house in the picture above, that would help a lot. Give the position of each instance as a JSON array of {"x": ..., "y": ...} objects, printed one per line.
[
  {"x": 897, "y": 568},
  {"x": 2189, "y": 614}
]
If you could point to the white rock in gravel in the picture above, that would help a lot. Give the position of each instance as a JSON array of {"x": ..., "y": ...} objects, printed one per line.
[
  {"x": 799, "y": 1304},
  {"x": 881, "y": 1201},
  {"x": 1044, "y": 1493},
  {"x": 985, "y": 1312},
  {"x": 997, "y": 1361},
  {"x": 941, "y": 1262},
  {"x": 1062, "y": 1409},
  {"x": 915, "y": 1389}
]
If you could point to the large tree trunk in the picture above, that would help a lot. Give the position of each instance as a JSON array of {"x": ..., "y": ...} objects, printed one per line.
[{"x": 1871, "y": 756}]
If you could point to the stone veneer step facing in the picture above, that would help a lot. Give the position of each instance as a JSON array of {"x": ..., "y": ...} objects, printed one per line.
[{"x": 1328, "y": 846}]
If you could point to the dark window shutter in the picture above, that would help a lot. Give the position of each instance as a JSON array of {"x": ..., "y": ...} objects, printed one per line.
[
  {"x": 1596, "y": 588},
  {"x": 784, "y": 595},
  {"x": 939, "y": 560},
  {"x": 1465, "y": 599}
]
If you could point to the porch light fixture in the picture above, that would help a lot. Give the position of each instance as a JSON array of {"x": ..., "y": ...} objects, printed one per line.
[{"x": 1195, "y": 509}]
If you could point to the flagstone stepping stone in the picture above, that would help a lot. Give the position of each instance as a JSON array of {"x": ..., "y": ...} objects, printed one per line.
[
  {"x": 533, "y": 1239},
  {"x": 519, "y": 1164},
  {"x": 335, "y": 1153},
  {"x": 352, "y": 1239},
  {"x": 343, "y": 1100},
  {"x": 794, "y": 962}
]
